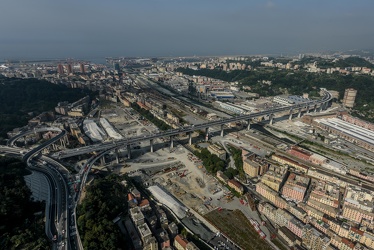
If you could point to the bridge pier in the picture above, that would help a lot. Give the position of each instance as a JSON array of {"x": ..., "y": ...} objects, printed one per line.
[
  {"x": 299, "y": 113},
  {"x": 290, "y": 116},
  {"x": 171, "y": 142},
  {"x": 271, "y": 117},
  {"x": 66, "y": 140},
  {"x": 190, "y": 138},
  {"x": 62, "y": 142},
  {"x": 307, "y": 109},
  {"x": 117, "y": 156},
  {"x": 321, "y": 107},
  {"x": 128, "y": 152},
  {"x": 249, "y": 124},
  {"x": 222, "y": 130},
  {"x": 206, "y": 134},
  {"x": 102, "y": 160},
  {"x": 315, "y": 108},
  {"x": 151, "y": 145}
]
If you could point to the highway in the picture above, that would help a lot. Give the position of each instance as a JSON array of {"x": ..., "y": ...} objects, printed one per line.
[
  {"x": 107, "y": 146},
  {"x": 12, "y": 140},
  {"x": 57, "y": 221}
]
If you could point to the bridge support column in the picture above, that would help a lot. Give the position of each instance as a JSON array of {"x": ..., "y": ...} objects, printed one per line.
[
  {"x": 190, "y": 138},
  {"x": 206, "y": 134},
  {"x": 151, "y": 145},
  {"x": 290, "y": 116},
  {"x": 222, "y": 130},
  {"x": 307, "y": 109},
  {"x": 321, "y": 108},
  {"x": 102, "y": 160},
  {"x": 66, "y": 140},
  {"x": 249, "y": 124},
  {"x": 171, "y": 142},
  {"x": 299, "y": 113},
  {"x": 128, "y": 152},
  {"x": 117, "y": 155},
  {"x": 315, "y": 108},
  {"x": 271, "y": 118},
  {"x": 62, "y": 142}
]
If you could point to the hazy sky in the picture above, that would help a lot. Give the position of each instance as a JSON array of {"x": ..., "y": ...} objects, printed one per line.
[{"x": 98, "y": 28}]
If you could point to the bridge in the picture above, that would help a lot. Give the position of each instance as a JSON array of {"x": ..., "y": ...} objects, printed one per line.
[
  {"x": 114, "y": 145},
  {"x": 12, "y": 140}
]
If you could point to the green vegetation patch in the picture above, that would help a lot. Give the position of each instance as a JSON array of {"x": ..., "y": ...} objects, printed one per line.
[
  {"x": 18, "y": 97},
  {"x": 19, "y": 227},
  {"x": 237, "y": 227},
  {"x": 150, "y": 117},
  {"x": 105, "y": 199},
  {"x": 211, "y": 161},
  {"x": 270, "y": 82}
]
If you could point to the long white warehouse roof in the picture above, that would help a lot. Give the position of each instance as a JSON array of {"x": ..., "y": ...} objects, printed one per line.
[
  {"x": 169, "y": 201},
  {"x": 109, "y": 129},
  {"x": 350, "y": 129}
]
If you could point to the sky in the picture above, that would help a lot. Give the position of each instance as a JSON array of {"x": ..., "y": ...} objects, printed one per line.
[{"x": 84, "y": 29}]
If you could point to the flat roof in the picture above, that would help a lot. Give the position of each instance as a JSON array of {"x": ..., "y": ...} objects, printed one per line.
[{"x": 350, "y": 129}]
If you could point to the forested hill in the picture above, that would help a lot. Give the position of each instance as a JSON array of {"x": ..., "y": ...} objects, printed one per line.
[
  {"x": 19, "y": 227},
  {"x": 18, "y": 97},
  {"x": 299, "y": 82}
]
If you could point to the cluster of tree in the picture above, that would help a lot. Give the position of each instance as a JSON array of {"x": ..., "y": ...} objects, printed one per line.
[
  {"x": 19, "y": 97},
  {"x": 299, "y": 82},
  {"x": 211, "y": 161},
  {"x": 149, "y": 116},
  {"x": 238, "y": 159},
  {"x": 231, "y": 172},
  {"x": 19, "y": 227},
  {"x": 105, "y": 199}
]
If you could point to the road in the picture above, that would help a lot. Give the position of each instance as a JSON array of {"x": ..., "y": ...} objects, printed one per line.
[{"x": 174, "y": 132}]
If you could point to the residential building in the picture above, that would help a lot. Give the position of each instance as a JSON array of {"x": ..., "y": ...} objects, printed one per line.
[
  {"x": 295, "y": 187},
  {"x": 349, "y": 97},
  {"x": 287, "y": 161},
  {"x": 271, "y": 195},
  {"x": 296, "y": 227},
  {"x": 255, "y": 165},
  {"x": 217, "y": 150},
  {"x": 314, "y": 240},
  {"x": 288, "y": 236},
  {"x": 325, "y": 192},
  {"x": 236, "y": 186},
  {"x": 274, "y": 177}
]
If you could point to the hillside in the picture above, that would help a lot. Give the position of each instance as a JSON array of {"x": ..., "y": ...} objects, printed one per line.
[{"x": 18, "y": 97}]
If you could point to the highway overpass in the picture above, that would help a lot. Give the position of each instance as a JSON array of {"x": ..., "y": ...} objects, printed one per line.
[{"x": 108, "y": 146}]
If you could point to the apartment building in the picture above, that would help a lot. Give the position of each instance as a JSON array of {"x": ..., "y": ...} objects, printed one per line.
[
  {"x": 296, "y": 227},
  {"x": 358, "y": 204},
  {"x": 275, "y": 177},
  {"x": 271, "y": 195},
  {"x": 325, "y": 192},
  {"x": 295, "y": 187},
  {"x": 255, "y": 165},
  {"x": 289, "y": 162},
  {"x": 314, "y": 240},
  {"x": 236, "y": 186},
  {"x": 217, "y": 150}
]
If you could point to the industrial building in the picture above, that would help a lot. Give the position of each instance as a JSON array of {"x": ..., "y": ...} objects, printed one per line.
[
  {"x": 360, "y": 136},
  {"x": 109, "y": 129},
  {"x": 289, "y": 100},
  {"x": 169, "y": 201}
]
